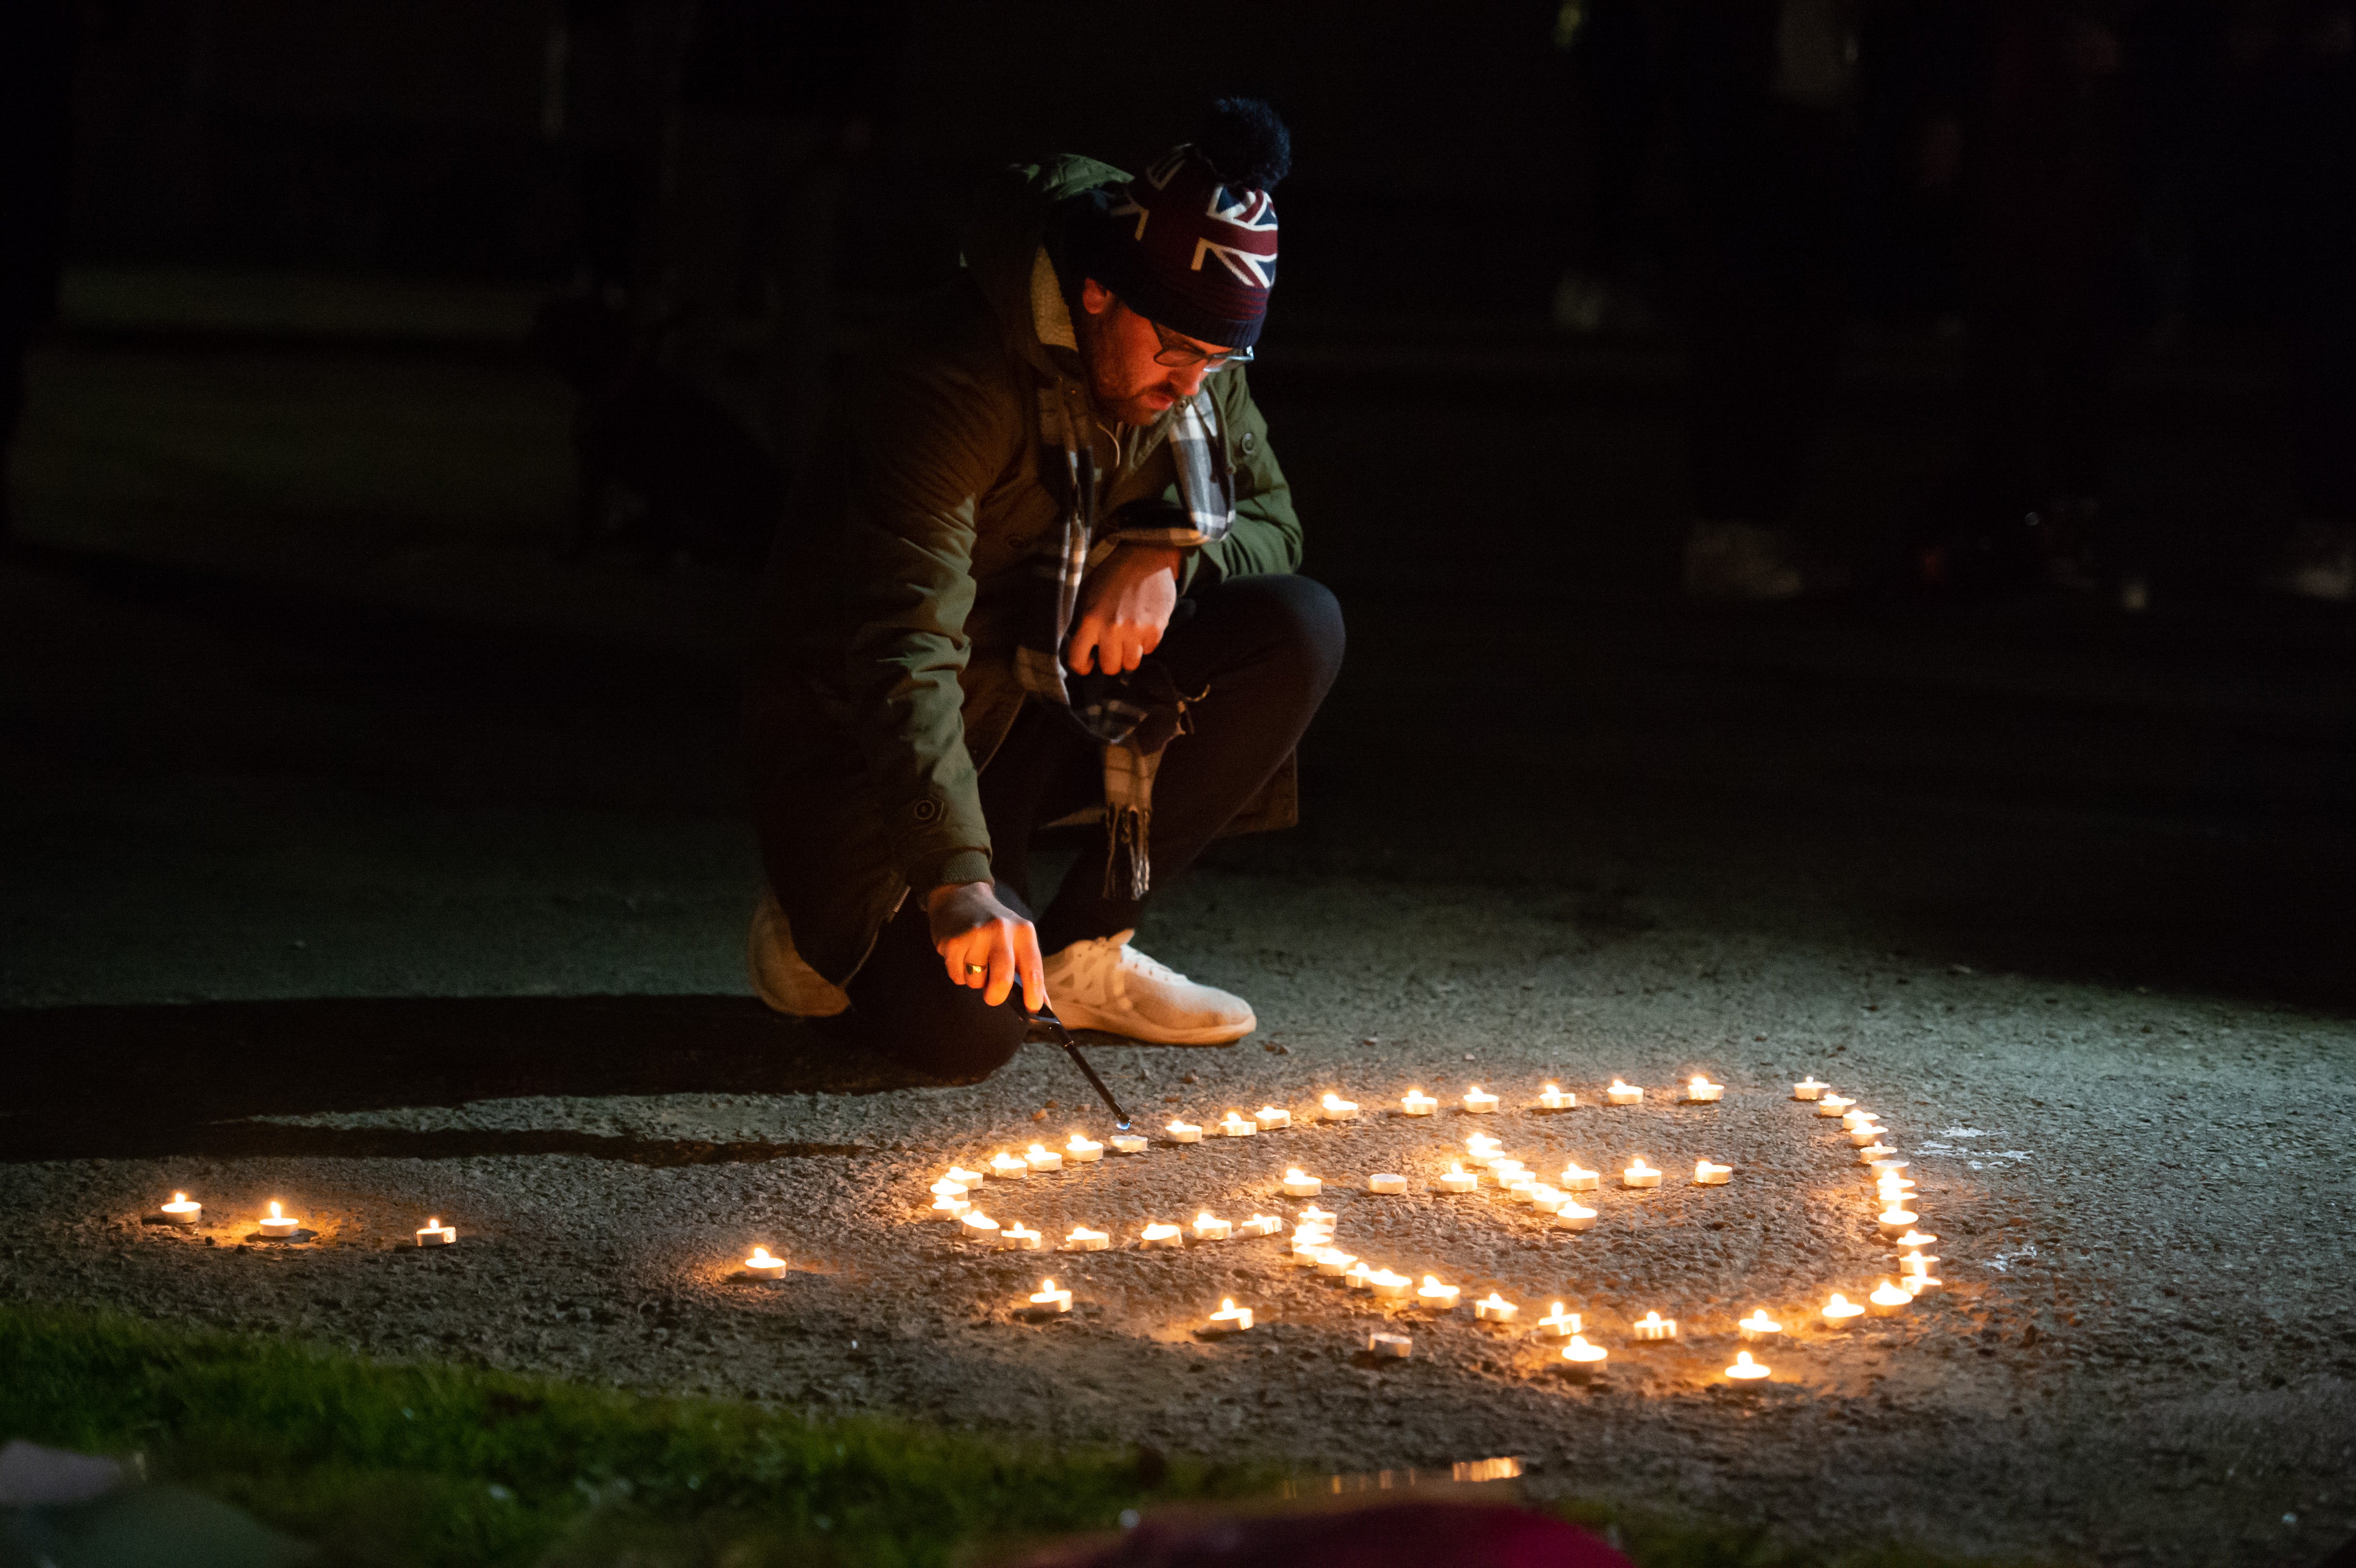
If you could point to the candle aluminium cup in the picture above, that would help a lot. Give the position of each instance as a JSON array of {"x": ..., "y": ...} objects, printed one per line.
[
  {"x": 1300, "y": 1184},
  {"x": 1416, "y": 1103},
  {"x": 1559, "y": 1324},
  {"x": 1333, "y": 1263},
  {"x": 1161, "y": 1235},
  {"x": 1050, "y": 1300},
  {"x": 1398, "y": 1346},
  {"x": 1479, "y": 1102},
  {"x": 1709, "y": 1175},
  {"x": 1260, "y": 1225},
  {"x": 1552, "y": 1098},
  {"x": 971, "y": 1181},
  {"x": 278, "y": 1226},
  {"x": 1183, "y": 1133},
  {"x": 1745, "y": 1370},
  {"x": 1873, "y": 1151},
  {"x": 1912, "y": 1238},
  {"x": 1840, "y": 1312},
  {"x": 1434, "y": 1296},
  {"x": 978, "y": 1226},
  {"x": 1832, "y": 1104},
  {"x": 948, "y": 1206},
  {"x": 1548, "y": 1199},
  {"x": 1700, "y": 1090},
  {"x": 1575, "y": 1216},
  {"x": 1387, "y": 1182},
  {"x": 437, "y": 1234},
  {"x": 1039, "y": 1158},
  {"x": 1128, "y": 1143},
  {"x": 1009, "y": 1167},
  {"x": 1333, "y": 1108},
  {"x": 1576, "y": 1177},
  {"x": 1582, "y": 1356},
  {"x": 1639, "y": 1174},
  {"x": 1482, "y": 1149},
  {"x": 1083, "y": 1151},
  {"x": 180, "y": 1211},
  {"x": 1896, "y": 1222},
  {"x": 1272, "y": 1118},
  {"x": 1624, "y": 1093},
  {"x": 1455, "y": 1178},
  {"x": 762, "y": 1265},
  {"x": 1230, "y": 1318},
  {"x": 1083, "y": 1239},
  {"x": 1313, "y": 1215},
  {"x": 1209, "y": 1227},
  {"x": 1808, "y": 1088},
  {"x": 1494, "y": 1308},
  {"x": 1389, "y": 1286},
  {"x": 1888, "y": 1300},
  {"x": 1237, "y": 1126},
  {"x": 1020, "y": 1238},
  {"x": 1358, "y": 1274},
  {"x": 1759, "y": 1326},
  {"x": 1652, "y": 1328}
]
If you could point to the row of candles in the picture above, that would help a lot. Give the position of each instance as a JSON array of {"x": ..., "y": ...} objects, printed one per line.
[
  {"x": 280, "y": 1226},
  {"x": 1313, "y": 1234},
  {"x": 1476, "y": 1101}
]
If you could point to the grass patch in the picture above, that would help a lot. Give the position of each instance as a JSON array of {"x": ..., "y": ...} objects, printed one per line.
[{"x": 421, "y": 1467}]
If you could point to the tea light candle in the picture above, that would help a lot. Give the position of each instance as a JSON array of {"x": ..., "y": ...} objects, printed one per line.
[
  {"x": 181, "y": 1212},
  {"x": 1918, "y": 1283},
  {"x": 1624, "y": 1093},
  {"x": 1577, "y": 1178},
  {"x": 946, "y": 1206},
  {"x": 1521, "y": 1186},
  {"x": 1889, "y": 1165},
  {"x": 1161, "y": 1235},
  {"x": 1358, "y": 1274},
  {"x": 1852, "y": 1120},
  {"x": 1260, "y": 1225},
  {"x": 1582, "y": 1355},
  {"x": 1020, "y": 1238},
  {"x": 437, "y": 1234},
  {"x": 945, "y": 1188},
  {"x": 1305, "y": 1250},
  {"x": 1083, "y": 1239},
  {"x": 1652, "y": 1328},
  {"x": 1039, "y": 1158},
  {"x": 1700, "y": 1090},
  {"x": 1808, "y": 1088},
  {"x": 1083, "y": 1151},
  {"x": 1832, "y": 1106},
  {"x": 1505, "y": 1173},
  {"x": 1482, "y": 1149},
  {"x": 1917, "y": 1261},
  {"x": 1183, "y": 1133},
  {"x": 760, "y": 1265},
  {"x": 1386, "y": 1181},
  {"x": 1478, "y": 1102},
  {"x": 1134, "y": 1143},
  {"x": 1436, "y": 1297},
  {"x": 1888, "y": 1300},
  {"x": 1874, "y": 1151},
  {"x": 1235, "y": 1126},
  {"x": 1456, "y": 1179},
  {"x": 1840, "y": 1311},
  {"x": 1860, "y": 1138},
  {"x": 1745, "y": 1370},
  {"x": 1897, "y": 1221},
  {"x": 1333, "y": 1263},
  {"x": 1639, "y": 1174},
  {"x": 1894, "y": 1191},
  {"x": 1300, "y": 1184},
  {"x": 1009, "y": 1167},
  {"x": 1559, "y": 1324},
  {"x": 1209, "y": 1227},
  {"x": 1389, "y": 1286},
  {"x": 1709, "y": 1175},
  {"x": 1416, "y": 1103},
  {"x": 1334, "y": 1109},
  {"x": 1494, "y": 1308},
  {"x": 278, "y": 1226},
  {"x": 1546, "y": 1199},
  {"x": 978, "y": 1226},
  {"x": 1313, "y": 1215},
  {"x": 1759, "y": 1326},
  {"x": 1271, "y": 1117},
  {"x": 1553, "y": 1099},
  {"x": 1048, "y": 1299},
  {"x": 1574, "y": 1216},
  {"x": 1230, "y": 1318},
  {"x": 1399, "y": 1346},
  {"x": 1912, "y": 1238},
  {"x": 968, "y": 1180}
]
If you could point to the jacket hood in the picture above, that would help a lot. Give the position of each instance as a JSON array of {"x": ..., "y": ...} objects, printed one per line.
[{"x": 1013, "y": 214}]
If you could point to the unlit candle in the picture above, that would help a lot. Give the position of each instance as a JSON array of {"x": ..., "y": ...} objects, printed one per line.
[
  {"x": 1386, "y": 1181},
  {"x": 1394, "y": 1345}
]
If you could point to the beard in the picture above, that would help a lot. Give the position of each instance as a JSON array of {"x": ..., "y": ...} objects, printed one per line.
[{"x": 1110, "y": 384}]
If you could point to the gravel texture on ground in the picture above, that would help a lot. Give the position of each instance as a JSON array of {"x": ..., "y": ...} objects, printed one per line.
[{"x": 2143, "y": 1352}]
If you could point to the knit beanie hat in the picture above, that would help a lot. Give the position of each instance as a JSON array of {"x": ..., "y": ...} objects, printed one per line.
[{"x": 1191, "y": 242}]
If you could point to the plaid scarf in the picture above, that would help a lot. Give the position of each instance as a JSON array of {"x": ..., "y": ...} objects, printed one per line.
[{"x": 1132, "y": 716}]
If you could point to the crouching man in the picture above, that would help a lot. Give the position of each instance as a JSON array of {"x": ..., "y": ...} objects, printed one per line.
[{"x": 1038, "y": 570}]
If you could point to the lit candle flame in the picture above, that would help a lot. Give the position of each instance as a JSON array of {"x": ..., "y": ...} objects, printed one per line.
[{"x": 273, "y": 1211}]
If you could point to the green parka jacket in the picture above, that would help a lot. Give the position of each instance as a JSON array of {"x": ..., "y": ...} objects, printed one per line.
[{"x": 883, "y": 675}]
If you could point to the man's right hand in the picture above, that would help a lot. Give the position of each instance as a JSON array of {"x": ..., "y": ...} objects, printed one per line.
[{"x": 985, "y": 945}]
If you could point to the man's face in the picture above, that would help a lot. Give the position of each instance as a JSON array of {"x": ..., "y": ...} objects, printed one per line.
[{"x": 1117, "y": 346}]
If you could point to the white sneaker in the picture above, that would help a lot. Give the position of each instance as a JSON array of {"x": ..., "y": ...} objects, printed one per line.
[
  {"x": 780, "y": 978},
  {"x": 1739, "y": 561},
  {"x": 1105, "y": 984}
]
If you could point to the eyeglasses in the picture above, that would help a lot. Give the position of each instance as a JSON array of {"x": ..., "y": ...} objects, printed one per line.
[{"x": 1178, "y": 354}]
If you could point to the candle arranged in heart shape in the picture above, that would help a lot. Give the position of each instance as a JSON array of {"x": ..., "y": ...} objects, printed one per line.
[
  {"x": 181, "y": 1212},
  {"x": 1298, "y": 1184},
  {"x": 1916, "y": 1262},
  {"x": 1230, "y": 1318},
  {"x": 1260, "y": 1225},
  {"x": 1916, "y": 1283},
  {"x": 1271, "y": 1117},
  {"x": 1639, "y": 1174},
  {"x": 1007, "y": 1167},
  {"x": 1313, "y": 1215},
  {"x": 1237, "y": 1126},
  {"x": 1574, "y": 1216},
  {"x": 1546, "y": 1199},
  {"x": 1333, "y": 1263},
  {"x": 1622, "y": 1094},
  {"x": 1864, "y": 1136},
  {"x": 1051, "y": 1299},
  {"x": 948, "y": 1205},
  {"x": 1709, "y": 1175},
  {"x": 1897, "y": 1221},
  {"x": 1334, "y": 1109},
  {"x": 1396, "y": 1345},
  {"x": 1551, "y": 1098},
  {"x": 1357, "y": 1275},
  {"x": 1912, "y": 1238},
  {"x": 1183, "y": 1133},
  {"x": 968, "y": 1180},
  {"x": 1852, "y": 1120},
  {"x": 1759, "y": 1326},
  {"x": 1745, "y": 1370},
  {"x": 1161, "y": 1235},
  {"x": 1083, "y": 1239},
  {"x": 1479, "y": 1100},
  {"x": 1387, "y": 1182},
  {"x": 762, "y": 1265},
  {"x": 1436, "y": 1297},
  {"x": 1083, "y": 1151},
  {"x": 1840, "y": 1311},
  {"x": 1020, "y": 1238},
  {"x": 1559, "y": 1324},
  {"x": 1576, "y": 1177},
  {"x": 1832, "y": 1104},
  {"x": 1580, "y": 1354},
  {"x": 1482, "y": 1149},
  {"x": 437, "y": 1234},
  {"x": 1652, "y": 1328},
  {"x": 1039, "y": 1158},
  {"x": 1888, "y": 1300},
  {"x": 1416, "y": 1103},
  {"x": 1132, "y": 1143},
  {"x": 1494, "y": 1308},
  {"x": 1455, "y": 1178},
  {"x": 278, "y": 1226},
  {"x": 1874, "y": 1151},
  {"x": 1808, "y": 1088},
  {"x": 1209, "y": 1227},
  {"x": 1700, "y": 1090},
  {"x": 978, "y": 1226},
  {"x": 1387, "y": 1285}
]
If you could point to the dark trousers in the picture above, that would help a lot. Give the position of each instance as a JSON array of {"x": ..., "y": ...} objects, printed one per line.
[{"x": 1263, "y": 651}]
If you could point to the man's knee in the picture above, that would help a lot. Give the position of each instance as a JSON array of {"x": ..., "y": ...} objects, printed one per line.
[{"x": 1301, "y": 616}]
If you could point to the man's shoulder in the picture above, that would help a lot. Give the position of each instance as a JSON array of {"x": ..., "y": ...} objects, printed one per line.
[{"x": 950, "y": 341}]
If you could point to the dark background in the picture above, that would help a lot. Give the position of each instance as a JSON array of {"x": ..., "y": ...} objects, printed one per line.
[{"x": 317, "y": 622}]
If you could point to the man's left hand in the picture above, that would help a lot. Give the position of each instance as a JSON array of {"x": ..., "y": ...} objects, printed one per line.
[{"x": 1125, "y": 606}]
